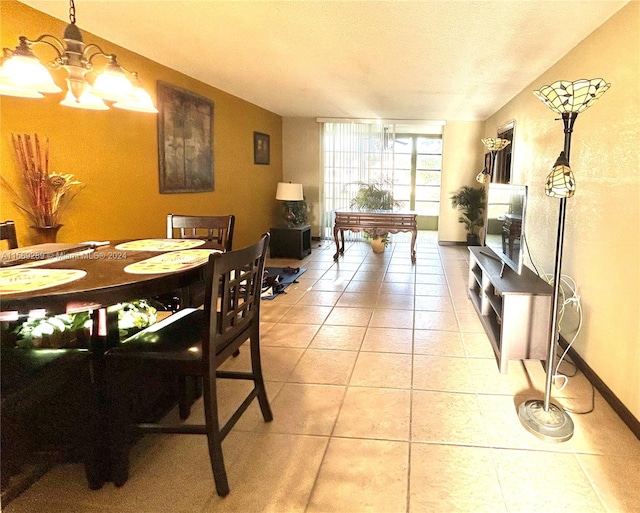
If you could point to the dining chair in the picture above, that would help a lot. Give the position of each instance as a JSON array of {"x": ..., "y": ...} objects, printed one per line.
[
  {"x": 216, "y": 229},
  {"x": 8, "y": 233},
  {"x": 211, "y": 228},
  {"x": 195, "y": 342}
]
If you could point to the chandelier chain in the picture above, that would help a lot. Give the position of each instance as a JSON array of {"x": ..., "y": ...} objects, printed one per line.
[{"x": 72, "y": 12}]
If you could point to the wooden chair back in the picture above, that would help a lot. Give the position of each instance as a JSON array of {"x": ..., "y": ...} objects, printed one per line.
[
  {"x": 211, "y": 228},
  {"x": 232, "y": 301},
  {"x": 8, "y": 233}
]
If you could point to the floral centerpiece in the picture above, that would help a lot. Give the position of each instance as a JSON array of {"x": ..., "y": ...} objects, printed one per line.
[{"x": 44, "y": 194}]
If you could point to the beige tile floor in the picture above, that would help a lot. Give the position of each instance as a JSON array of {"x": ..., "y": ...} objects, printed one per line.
[{"x": 386, "y": 398}]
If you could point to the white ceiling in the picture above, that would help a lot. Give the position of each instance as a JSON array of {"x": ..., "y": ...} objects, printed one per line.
[{"x": 428, "y": 60}]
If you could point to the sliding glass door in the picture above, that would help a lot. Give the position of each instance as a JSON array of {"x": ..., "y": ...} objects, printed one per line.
[
  {"x": 417, "y": 176},
  {"x": 352, "y": 153},
  {"x": 359, "y": 152}
]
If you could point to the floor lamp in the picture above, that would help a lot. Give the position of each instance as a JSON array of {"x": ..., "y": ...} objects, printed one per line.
[
  {"x": 545, "y": 420},
  {"x": 494, "y": 145}
]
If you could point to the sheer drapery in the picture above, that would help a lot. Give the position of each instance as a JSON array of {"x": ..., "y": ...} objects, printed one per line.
[{"x": 352, "y": 153}]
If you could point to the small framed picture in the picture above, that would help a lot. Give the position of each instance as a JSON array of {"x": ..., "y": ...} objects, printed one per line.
[{"x": 260, "y": 148}]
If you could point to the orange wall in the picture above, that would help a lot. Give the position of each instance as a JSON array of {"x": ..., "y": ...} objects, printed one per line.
[{"x": 115, "y": 152}]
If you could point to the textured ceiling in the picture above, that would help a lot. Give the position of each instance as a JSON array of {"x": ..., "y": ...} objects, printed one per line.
[{"x": 430, "y": 60}]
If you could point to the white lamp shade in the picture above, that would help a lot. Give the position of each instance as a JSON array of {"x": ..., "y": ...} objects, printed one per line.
[
  {"x": 140, "y": 101},
  {"x": 17, "y": 91},
  {"x": 87, "y": 100},
  {"x": 289, "y": 192},
  {"x": 27, "y": 73},
  {"x": 113, "y": 85}
]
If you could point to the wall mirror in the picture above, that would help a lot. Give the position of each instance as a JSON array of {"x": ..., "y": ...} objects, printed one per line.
[{"x": 503, "y": 165}]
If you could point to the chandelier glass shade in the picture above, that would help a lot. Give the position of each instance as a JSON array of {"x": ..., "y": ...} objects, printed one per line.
[
  {"x": 139, "y": 100},
  {"x": 87, "y": 100},
  {"x": 112, "y": 84},
  {"x": 24, "y": 71},
  {"x": 23, "y": 75},
  {"x": 8, "y": 90}
]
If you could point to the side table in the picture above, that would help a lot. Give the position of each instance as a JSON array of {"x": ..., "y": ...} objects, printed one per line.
[{"x": 294, "y": 242}]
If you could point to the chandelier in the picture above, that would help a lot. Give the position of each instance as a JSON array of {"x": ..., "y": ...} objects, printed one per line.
[{"x": 23, "y": 75}]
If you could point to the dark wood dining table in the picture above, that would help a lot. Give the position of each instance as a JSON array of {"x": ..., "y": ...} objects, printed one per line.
[{"x": 106, "y": 283}]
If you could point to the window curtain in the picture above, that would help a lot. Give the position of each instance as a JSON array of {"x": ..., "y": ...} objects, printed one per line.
[{"x": 351, "y": 153}]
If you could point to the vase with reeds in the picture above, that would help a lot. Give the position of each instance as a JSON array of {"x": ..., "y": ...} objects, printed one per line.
[
  {"x": 47, "y": 233},
  {"x": 43, "y": 195}
]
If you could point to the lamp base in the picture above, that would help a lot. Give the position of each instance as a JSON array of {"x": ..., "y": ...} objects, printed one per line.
[
  {"x": 289, "y": 217},
  {"x": 553, "y": 425}
]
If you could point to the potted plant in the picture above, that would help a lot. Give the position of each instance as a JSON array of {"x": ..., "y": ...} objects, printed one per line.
[
  {"x": 472, "y": 204},
  {"x": 375, "y": 195}
]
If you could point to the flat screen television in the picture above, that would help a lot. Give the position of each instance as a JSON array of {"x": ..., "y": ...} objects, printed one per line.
[{"x": 506, "y": 209}]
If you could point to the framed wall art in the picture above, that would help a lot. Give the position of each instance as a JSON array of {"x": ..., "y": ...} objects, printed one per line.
[
  {"x": 260, "y": 148},
  {"x": 185, "y": 141}
]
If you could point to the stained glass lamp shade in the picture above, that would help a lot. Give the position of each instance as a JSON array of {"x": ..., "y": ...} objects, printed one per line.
[
  {"x": 483, "y": 176},
  {"x": 564, "y": 96},
  {"x": 495, "y": 143},
  {"x": 560, "y": 182}
]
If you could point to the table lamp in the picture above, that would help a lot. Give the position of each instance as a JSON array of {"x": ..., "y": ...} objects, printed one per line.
[{"x": 289, "y": 192}]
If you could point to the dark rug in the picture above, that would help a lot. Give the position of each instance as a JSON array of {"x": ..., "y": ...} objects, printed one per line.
[{"x": 277, "y": 279}]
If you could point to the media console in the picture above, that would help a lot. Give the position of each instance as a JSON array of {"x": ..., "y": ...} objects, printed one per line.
[{"x": 515, "y": 309}]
